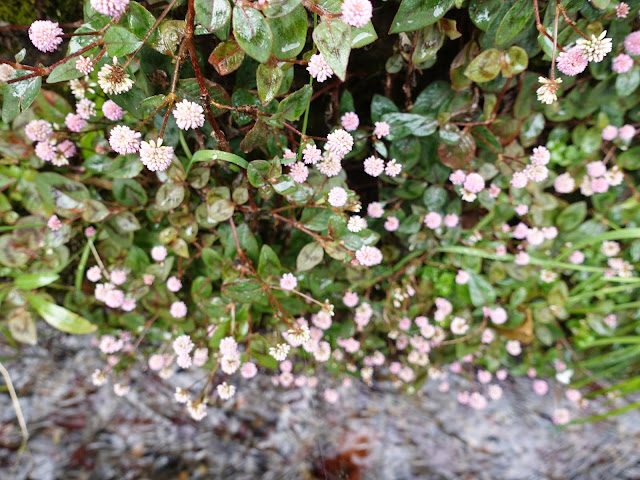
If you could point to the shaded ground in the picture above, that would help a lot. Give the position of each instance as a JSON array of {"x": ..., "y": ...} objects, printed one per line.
[{"x": 80, "y": 432}]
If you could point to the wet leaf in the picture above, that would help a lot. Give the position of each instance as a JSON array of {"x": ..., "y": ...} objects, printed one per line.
[
  {"x": 59, "y": 317},
  {"x": 310, "y": 256},
  {"x": 333, "y": 39},
  {"x": 226, "y": 57},
  {"x": 484, "y": 67},
  {"x": 416, "y": 14},
  {"x": 289, "y": 33},
  {"x": 212, "y": 14},
  {"x": 252, "y": 33},
  {"x": 22, "y": 327},
  {"x": 268, "y": 78},
  {"x": 514, "y": 21}
]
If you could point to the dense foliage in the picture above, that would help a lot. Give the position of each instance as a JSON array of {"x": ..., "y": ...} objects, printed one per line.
[{"x": 223, "y": 185}]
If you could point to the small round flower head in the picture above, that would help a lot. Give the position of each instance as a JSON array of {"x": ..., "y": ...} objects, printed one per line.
[
  {"x": 54, "y": 223},
  {"x": 433, "y": 220},
  {"x": 357, "y": 13},
  {"x": 45, "y": 35},
  {"x": 392, "y": 224},
  {"x": 576, "y": 257},
  {"x": 626, "y": 132},
  {"x": 494, "y": 392},
  {"x": 228, "y": 347},
  {"x": 280, "y": 351},
  {"x": 547, "y": 92},
  {"x": 123, "y": 140},
  {"x": 622, "y": 10},
  {"x": 75, "y": 122},
  {"x": 159, "y": 253},
  {"x": 522, "y": 258},
  {"x": 154, "y": 156},
  {"x": 536, "y": 173},
  {"x": 369, "y": 256},
  {"x": 114, "y": 298},
  {"x": 288, "y": 281},
  {"x": 156, "y": 362},
  {"x": 596, "y": 48},
  {"x": 112, "y": 110},
  {"x": 248, "y": 370},
  {"x": 458, "y": 177},
  {"x": 84, "y": 65},
  {"x": 329, "y": 166},
  {"x": 393, "y": 168},
  {"x": 487, "y": 336},
  {"x": 459, "y": 326},
  {"x": 356, "y": 224},
  {"x": 38, "y": 130},
  {"x": 514, "y": 348},
  {"x": 178, "y": 310},
  {"x": 67, "y": 148},
  {"x": 632, "y": 43},
  {"x": 561, "y": 416},
  {"x": 564, "y": 183},
  {"x": 311, "y": 154},
  {"x": 474, "y": 183},
  {"x": 6, "y": 72},
  {"x": 622, "y": 63},
  {"x": 540, "y": 156},
  {"x": 610, "y": 248},
  {"x": 375, "y": 210},
  {"x": 498, "y": 315},
  {"x": 609, "y": 133},
  {"x": 381, "y": 129},
  {"x": 98, "y": 378},
  {"x": 110, "y": 7},
  {"x": 540, "y": 387},
  {"x": 350, "y": 121},
  {"x": 299, "y": 172},
  {"x": 373, "y": 166},
  {"x": 350, "y": 299},
  {"x": 337, "y": 197},
  {"x": 596, "y": 169},
  {"x": 297, "y": 336},
  {"x": 94, "y": 274},
  {"x": 85, "y": 108},
  {"x": 148, "y": 279},
  {"x": 46, "y": 151},
  {"x": 451, "y": 220},
  {"x": 188, "y": 115},
  {"x": 331, "y": 395},
  {"x": 118, "y": 277},
  {"x": 339, "y": 142},
  {"x": 318, "y": 68},
  {"x": 113, "y": 79},
  {"x": 174, "y": 284},
  {"x": 519, "y": 180},
  {"x": 462, "y": 278},
  {"x": 572, "y": 62},
  {"x": 183, "y": 345}
]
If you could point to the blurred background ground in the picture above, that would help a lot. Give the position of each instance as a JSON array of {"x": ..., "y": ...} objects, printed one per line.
[{"x": 79, "y": 431}]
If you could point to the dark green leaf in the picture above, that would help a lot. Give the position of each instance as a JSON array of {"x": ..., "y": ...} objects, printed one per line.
[
  {"x": 129, "y": 193},
  {"x": 252, "y": 33},
  {"x": 481, "y": 292},
  {"x": 295, "y": 104},
  {"x": 268, "y": 79},
  {"x": 59, "y": 317},
  {"x": 310, "y": 256},
  {"x": 246, "y": 290},
  {"x": 289, "y": 33},
  {"x": 278, "y": 8},
  {"x": 212, "y": 14},
  {"x": 333, "y": 39},
  {"x": 417, "y": 14},
  {"x": 120, "y": 41},
  {"x": 514, "y": 21}
]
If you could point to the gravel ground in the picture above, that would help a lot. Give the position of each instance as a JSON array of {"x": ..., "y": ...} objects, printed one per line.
[{"x": 78, "y": 431}]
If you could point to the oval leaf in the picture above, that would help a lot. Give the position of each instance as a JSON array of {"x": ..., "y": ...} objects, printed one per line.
[{"x": 59, "y": 317}]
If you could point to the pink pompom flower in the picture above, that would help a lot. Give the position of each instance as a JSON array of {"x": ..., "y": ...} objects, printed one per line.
[
  {"x": 572, "y": 62},
  {"x": 632, "y": 43},
  {"x": 112, "y": 111},
  {"x": 110, "y": 7},
  {"x": 350, "y": 121},
  {"x": 357, "y": 13},
  {"x": 45, "y": 35},
  {"x": 318, "y": 68},
  {"x": 188, "y": 115},
  {"x": 622, "y": 63}
]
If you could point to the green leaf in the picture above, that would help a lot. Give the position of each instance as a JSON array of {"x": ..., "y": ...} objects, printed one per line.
[
  {"x": 258, "y": 172},
  {"x": 572, "y": 216},
  {"x": 289, "y": 33},
  {"x": 94, "y": 211},
  {"x": 125, "y": 166},
  {"x": 64, "y": 72},
  {"x": 22, "y": 327},
  {"x": 255, "y": 137},
  {"x": 630, "y": 160},
  {"x": 403, "y": 124},
  {"x": 310, "y": 256},
  {"x": 252, "y": 33},
  {"x": 416, "y": 14},
  {"x": 212, "y": 14},
  {"x": 212, "y": 155},
  {"x": 260, "y": 351},
  {"x": 169, "y": 196},
  {"x": 333, "y": 39},
  {"x": 129, "y": 193},
  {"x": 221, "y": 210},
  {"x": 278, "y": 8},
  {"x": 363, "y": 36},
  {"x": 484, "y": 67},
  {"x": 19, "y": 96},
  {"x": 295, "y": 104},
  {"x": 138, "y": 20},
  {"x": 120, "y": 42},
  {"x": 514, "y": 21},
  {"x": 627, "y": 83},
  {"x": 226, "y": 57},
  {"x": 29, "y": 281},
  {"x": 268, "y": 78},
  {"x": 63, "y": 195},
  {"x": 381, "y": 105},
  {"x": 515, "y": 60},
  {"x": 429, "y": 41},
  {"x": 246, "y": 290},
  {"x": 482, "y": 11},
  {"x": 59, "y": 317},
  {"x": 268, "y": 263},
  {"x": 480, "y": 290}
]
